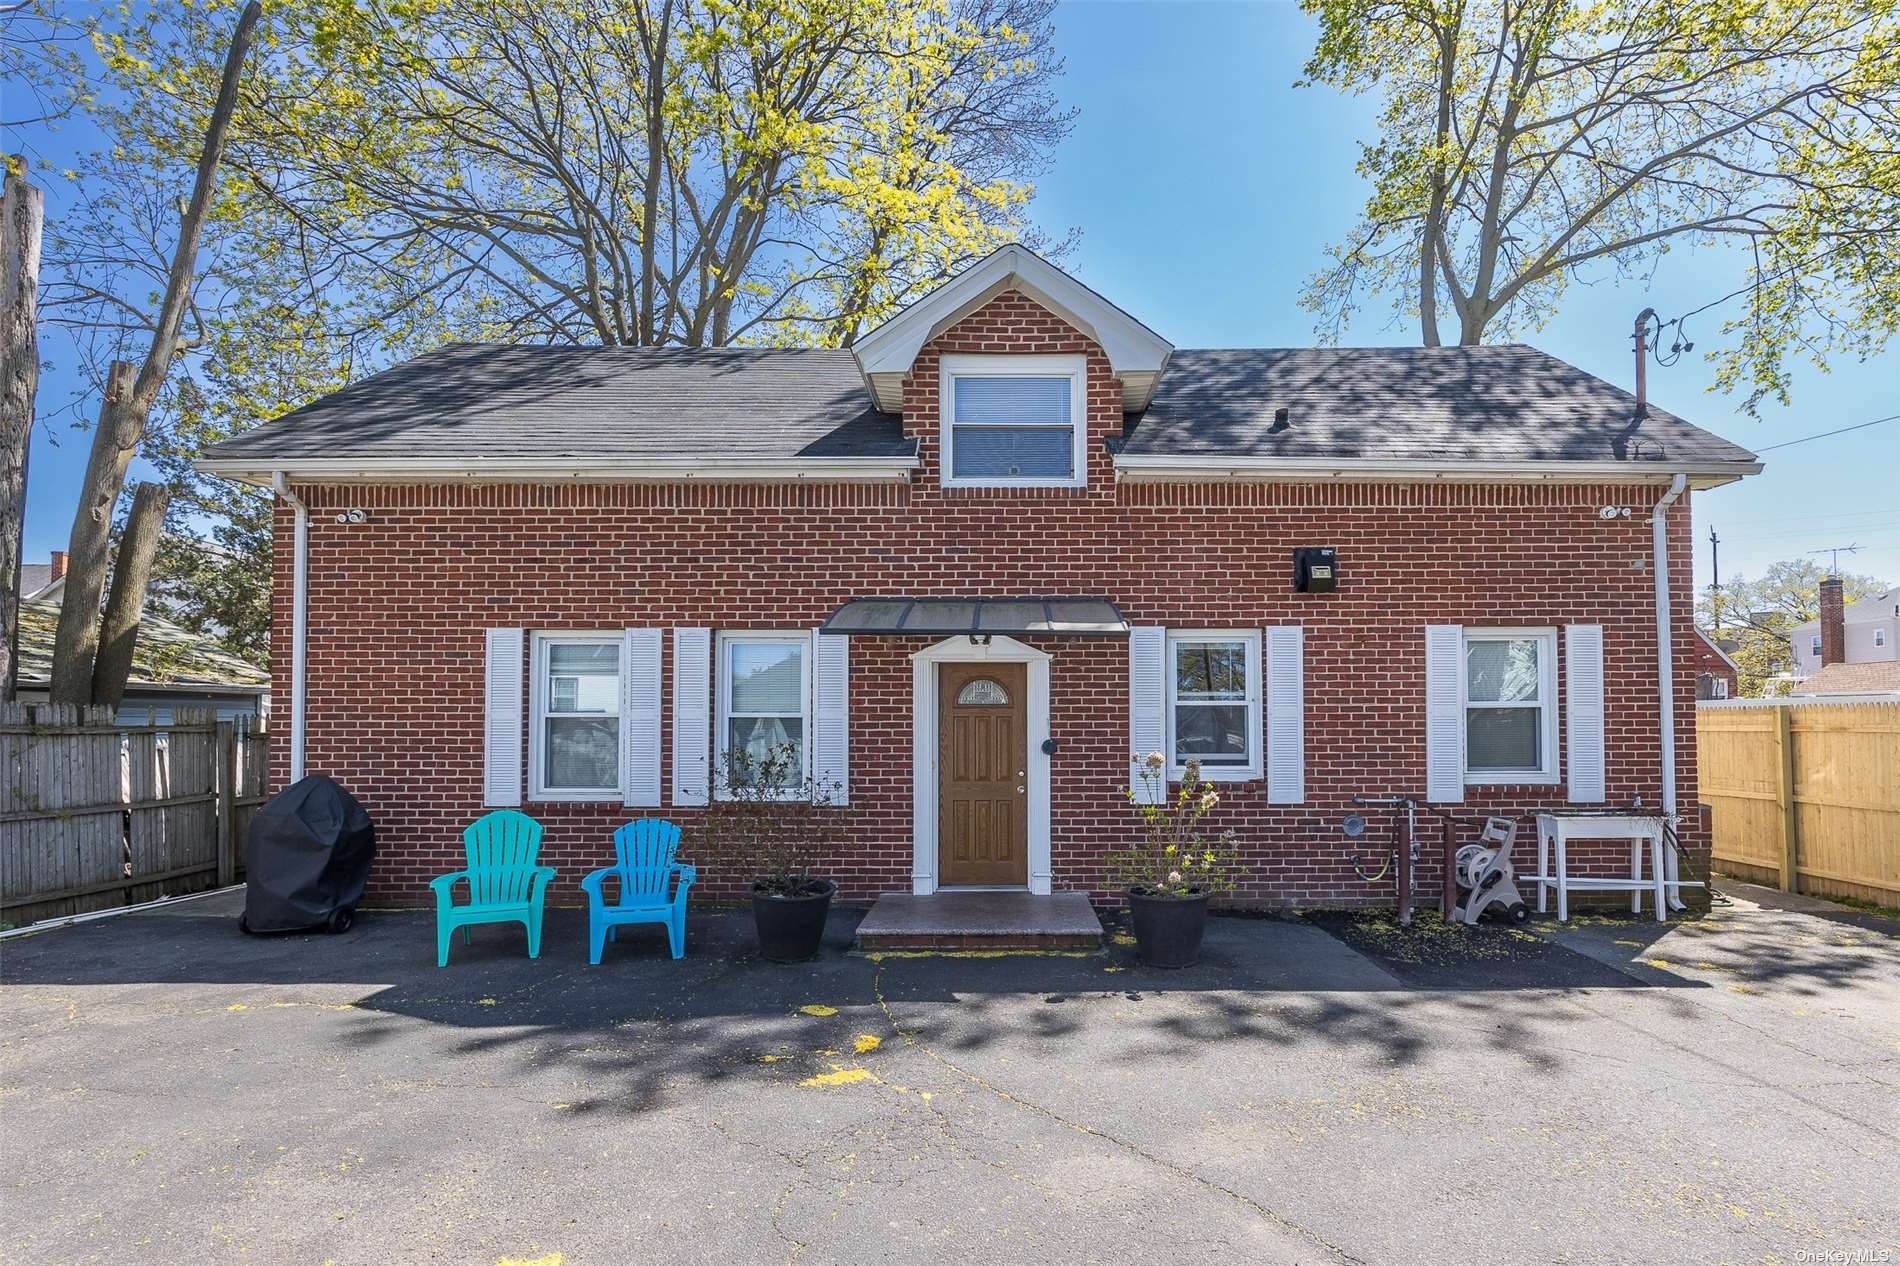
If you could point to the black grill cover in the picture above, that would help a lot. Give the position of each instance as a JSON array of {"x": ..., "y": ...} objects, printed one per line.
[{"x": 307, "y": 854}]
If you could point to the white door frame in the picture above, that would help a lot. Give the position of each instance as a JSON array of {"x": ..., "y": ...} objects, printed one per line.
[{"x": 961, "y": 650}]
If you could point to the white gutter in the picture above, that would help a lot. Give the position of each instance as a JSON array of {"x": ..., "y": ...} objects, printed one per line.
[
  {"x": 1665, "y": 672},
  {"x": 1138, "y": 468},
  {"x": 299, "y": 618},
  {"x": 564, "y": 469}
]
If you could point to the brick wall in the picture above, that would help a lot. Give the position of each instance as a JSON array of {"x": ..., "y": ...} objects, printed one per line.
[{"x": 398, "y": 607}]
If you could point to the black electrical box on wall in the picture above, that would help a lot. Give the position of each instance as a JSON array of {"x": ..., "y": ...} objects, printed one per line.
[{"x": 1314, "y": 571}]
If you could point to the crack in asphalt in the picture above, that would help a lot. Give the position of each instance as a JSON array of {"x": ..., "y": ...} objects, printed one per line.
[{"x": 911, "y": 1039}]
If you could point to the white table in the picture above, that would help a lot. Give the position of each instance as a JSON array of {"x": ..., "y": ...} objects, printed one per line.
[{"x": 1559, "y": 829}]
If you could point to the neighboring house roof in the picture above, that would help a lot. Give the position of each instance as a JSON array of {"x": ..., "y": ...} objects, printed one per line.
[
  {"x": 1877, "y": 678},
  {"x": 34, "y": 577},
  {"x": 1720, "y": 651},
  {"x": 1879, "y": 606},
  {"x": 1459, "y": 404},
  {"x": 164, "y": 655},
  {"x": 472, "y": 411}
]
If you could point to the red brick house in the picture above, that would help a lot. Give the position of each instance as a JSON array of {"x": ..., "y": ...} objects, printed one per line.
[{"x": 564, "y": 578}]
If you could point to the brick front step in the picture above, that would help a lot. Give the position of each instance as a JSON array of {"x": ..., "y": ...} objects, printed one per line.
[{"x": 980, "y": 920}]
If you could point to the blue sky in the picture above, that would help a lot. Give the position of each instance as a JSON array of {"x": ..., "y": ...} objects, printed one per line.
[{"x": 1206, "y": 189}]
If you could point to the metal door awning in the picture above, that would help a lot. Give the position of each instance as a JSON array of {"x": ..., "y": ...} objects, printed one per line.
[{"x": 895, "y": 617}]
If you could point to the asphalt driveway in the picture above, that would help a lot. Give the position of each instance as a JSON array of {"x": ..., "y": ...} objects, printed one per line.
[{"x": 1721, "y": 1090}]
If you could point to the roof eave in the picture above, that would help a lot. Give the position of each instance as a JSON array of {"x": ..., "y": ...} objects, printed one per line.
[
  {"x": 1140, "y": 468},
  {"x": 449, "y": 469}
]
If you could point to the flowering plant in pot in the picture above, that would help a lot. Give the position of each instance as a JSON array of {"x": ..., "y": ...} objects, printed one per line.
[
  {"x": 772, "y": 819},
  {"x": 1177, "y": 865}
]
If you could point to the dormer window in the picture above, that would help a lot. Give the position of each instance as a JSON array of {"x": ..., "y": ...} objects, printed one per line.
[{"x": 1015, "y": 422}]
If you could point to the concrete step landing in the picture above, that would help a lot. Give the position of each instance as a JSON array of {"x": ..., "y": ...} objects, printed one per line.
[{"x": 979, "y": 919}]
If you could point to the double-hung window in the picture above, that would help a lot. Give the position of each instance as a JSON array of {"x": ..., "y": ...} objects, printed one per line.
[
  {"x": 1014, "y": 421},
  {"x": 1814, "y": 646},
  {"x": 764, "y": 685},
  {"x": 1214, "y": 704},
  {"x": 575, "y": 751},
  {"x": 1510, "y": 705}
]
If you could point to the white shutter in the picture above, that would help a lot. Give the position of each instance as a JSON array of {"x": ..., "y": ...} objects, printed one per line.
[
  {"x": 640, "y": 717},
  {"x": 692, "y": 715},
  {"x": 1147, "y": 702},
  {"x": 831, "y": 713},
  {"x": 1444, "y": 713},
  {"x": 1583, "y": 711},
  {"x": 1286, "y": 715},
  {"x": 501, "y": 726}
]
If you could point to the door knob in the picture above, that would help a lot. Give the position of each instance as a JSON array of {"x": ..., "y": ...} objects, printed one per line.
[{"x": 1019, "y": 789}]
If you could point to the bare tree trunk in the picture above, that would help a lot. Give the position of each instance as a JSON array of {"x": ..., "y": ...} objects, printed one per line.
[
  {"x": 131, "y": 574},
  {"x": 130, "y": 394},
  {"x": 654, "y": 37},
  {"x": 22, "y": 213},
  {"x": 115, "y": 438}
]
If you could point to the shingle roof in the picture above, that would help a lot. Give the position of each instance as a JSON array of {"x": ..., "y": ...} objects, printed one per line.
[
  {"x": 1505, "y": 403},
  {"x": 480, "y": 400},
  {"x": 1452, "y": 404},
  {"x": 164, "y": 654},
  {"x": 1881, "y": 677}
]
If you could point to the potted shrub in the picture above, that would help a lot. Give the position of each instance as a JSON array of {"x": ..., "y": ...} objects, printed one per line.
[
  {"x": 771, "y": 820},
  {"x": 1170, "y": 874}
]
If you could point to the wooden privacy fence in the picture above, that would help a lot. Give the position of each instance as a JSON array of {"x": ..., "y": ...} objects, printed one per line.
[
  {"x": 94, "y": 814},
  {"x": 1804, "y": 794}
]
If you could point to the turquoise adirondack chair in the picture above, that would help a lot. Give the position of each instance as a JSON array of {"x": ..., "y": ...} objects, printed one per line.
[
  {"x": 644, "y": 873},
  {"x": 504, "y": 883}
]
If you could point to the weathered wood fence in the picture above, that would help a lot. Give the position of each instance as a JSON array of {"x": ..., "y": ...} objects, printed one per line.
[
  {"x": 94, "y": 815},
  {"x": 1804, "y": 794}
]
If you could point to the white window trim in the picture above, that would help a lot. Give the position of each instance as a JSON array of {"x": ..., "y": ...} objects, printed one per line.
[
  {"x": 1075, "y": 368},
  {"x": 1552, "y": 771},
  {"x": 538, "y": 712},
  {"x": 722, "y": 692},
  {"x": 1880, "y": 637},
  {"x": 1814, "y": 645},
  {"x": 1254, "y": 768}
]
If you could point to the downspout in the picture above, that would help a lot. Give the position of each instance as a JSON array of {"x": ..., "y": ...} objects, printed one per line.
[
  {"x": 299, "y": 618},
  {"x": 1665, "y": 675}
]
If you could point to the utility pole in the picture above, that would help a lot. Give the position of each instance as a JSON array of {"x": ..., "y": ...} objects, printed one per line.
[{"x": 1715, "y": 585}]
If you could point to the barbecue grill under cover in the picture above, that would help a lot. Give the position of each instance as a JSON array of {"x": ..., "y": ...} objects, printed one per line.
[{"x": 307, "y": 855}]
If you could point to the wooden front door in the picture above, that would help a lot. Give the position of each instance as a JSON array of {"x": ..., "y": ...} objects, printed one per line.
[{"x": 982, "y": 774}]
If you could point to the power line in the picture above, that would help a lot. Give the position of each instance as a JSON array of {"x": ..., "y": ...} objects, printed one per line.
[{"x": 1892, "y": 417}]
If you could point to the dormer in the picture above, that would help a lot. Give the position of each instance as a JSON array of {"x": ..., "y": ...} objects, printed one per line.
[{"x": 1136, "y": 354}]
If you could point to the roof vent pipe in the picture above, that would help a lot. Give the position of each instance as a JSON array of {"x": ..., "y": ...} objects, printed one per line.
[{"x": 1640, "y": 337}]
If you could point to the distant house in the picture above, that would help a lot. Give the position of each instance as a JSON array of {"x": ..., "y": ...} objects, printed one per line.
[
  {"x": 172, "y": 668},
  {"x": 1867, "y": 632},
  {"x": 44, "y": 580},
  {"x": 1716, "y": 676},
  {"x": 1882, "y": 678}
]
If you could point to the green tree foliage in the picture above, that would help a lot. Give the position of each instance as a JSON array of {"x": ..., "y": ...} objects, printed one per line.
[
  {"x": 1758, "y": 615},
  {"x": 1525, "y": 144},
  {"x": 405, "y": 173}
]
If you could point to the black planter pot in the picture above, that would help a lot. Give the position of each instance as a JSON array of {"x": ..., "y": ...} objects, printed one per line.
[
  {"x": 1168, "y": 929},
  {"x": 790, "y": 928}
]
